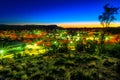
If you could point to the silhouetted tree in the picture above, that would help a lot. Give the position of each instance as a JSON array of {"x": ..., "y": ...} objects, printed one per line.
[
  {"x": 108, "y": 15},
  {"x": 105, "y": 19}
]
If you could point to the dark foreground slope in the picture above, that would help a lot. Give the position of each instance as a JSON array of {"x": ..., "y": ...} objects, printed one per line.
[{"x": 60, "y": 66}]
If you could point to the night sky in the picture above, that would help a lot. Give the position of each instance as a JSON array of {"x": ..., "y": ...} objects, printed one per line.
[{"x": 52, "y": 11}]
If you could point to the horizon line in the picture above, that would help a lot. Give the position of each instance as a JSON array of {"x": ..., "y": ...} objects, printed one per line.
[{"x": 71, "y": 24}]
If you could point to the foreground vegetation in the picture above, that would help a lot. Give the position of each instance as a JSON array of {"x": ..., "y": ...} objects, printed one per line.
[
  {"x": 60, "y": 66},
  {"x": 58, "y": 55}
]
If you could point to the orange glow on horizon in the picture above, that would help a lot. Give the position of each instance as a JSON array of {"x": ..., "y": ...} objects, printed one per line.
[{"x": 85, "y": 25}]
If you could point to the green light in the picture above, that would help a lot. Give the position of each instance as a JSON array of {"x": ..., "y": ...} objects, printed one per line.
[
  {"x": 78, "y": 34},
  {"x": 55, "y": 42},
  {"x": 1, "y": 51}
]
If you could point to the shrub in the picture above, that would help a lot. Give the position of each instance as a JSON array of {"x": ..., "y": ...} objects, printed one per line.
[
  {"x": 79, "y": 47},
  {"x": 112, "y": 50},
  {"x": 90, "y": 47},
  {"x": 79, "y": 76}
]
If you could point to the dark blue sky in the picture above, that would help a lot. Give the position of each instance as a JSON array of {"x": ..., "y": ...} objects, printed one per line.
[{"x": 52, "y": 11}]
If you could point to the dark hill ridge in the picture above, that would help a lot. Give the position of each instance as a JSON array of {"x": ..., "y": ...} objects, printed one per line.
[
  {"x": 113, "y": 30},
  {"x": 28, "y": 27}
]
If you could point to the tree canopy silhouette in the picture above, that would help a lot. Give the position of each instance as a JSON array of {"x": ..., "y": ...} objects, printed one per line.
[{"x": 108, "y": 15}]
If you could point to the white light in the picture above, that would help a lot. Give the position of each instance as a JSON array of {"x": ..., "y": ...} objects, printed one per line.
[
  {"x": 35, "y": 44},
  {"x": 71, "y": 42}
]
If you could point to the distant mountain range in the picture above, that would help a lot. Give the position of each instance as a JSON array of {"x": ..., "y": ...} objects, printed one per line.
[{"x": 30, "y": 27}]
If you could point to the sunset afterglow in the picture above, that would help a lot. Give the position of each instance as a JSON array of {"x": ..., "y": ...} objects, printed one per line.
[{"x": 86, "y": 25}]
